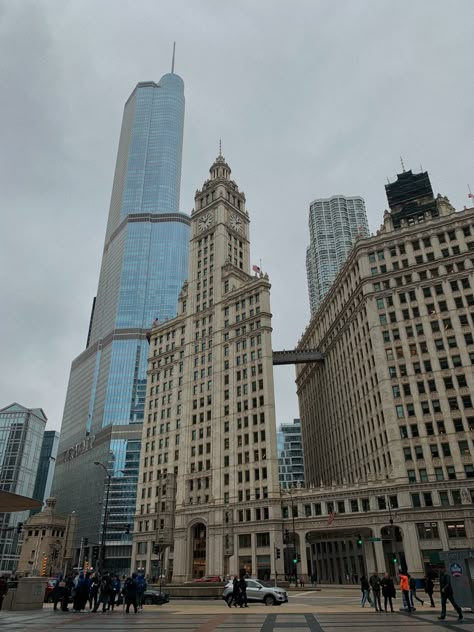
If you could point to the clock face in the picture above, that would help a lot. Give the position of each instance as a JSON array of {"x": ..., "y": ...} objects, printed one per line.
[
  {"x": 236, "y": 223},
  {"x": 205, "y": 222}
]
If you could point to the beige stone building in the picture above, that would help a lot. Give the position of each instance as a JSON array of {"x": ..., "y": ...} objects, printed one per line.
[
  {"x": 47, "y": 547},
  {"x": 392, "y": 402},
  {"x": 208, "y": 500}
]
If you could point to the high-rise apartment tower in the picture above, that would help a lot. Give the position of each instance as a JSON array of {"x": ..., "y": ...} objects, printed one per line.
[
  {"x": 334, "y": 225},
  {"x": 144, "y": 265}
]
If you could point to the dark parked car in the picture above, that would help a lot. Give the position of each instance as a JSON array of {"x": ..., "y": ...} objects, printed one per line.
[{"x": 155, "y": 597}]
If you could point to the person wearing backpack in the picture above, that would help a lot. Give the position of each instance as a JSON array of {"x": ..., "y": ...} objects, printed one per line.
[{"x": 376, "y": 586}]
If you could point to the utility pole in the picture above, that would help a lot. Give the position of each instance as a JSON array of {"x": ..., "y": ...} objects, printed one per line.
[{"x": 106, "y": 517}]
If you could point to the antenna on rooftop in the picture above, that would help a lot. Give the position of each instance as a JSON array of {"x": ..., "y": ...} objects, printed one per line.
[
  {"x": 220, "y": 147},
  {"x": 172, "y": 60},
  {"x": 403, "y": 166}
]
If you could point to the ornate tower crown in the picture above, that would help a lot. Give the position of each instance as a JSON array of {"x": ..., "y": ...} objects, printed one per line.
[{"x": 220, "y": 169}]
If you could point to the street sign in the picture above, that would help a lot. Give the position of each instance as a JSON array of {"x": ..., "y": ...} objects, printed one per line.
[{"x": 374, "y": 539}]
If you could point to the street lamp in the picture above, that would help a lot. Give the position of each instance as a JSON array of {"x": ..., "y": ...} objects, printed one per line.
[{"x": 106, "y": 517}]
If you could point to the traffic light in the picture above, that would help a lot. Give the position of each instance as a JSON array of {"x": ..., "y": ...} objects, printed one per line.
[
  {"x": 394, "y": 558},
  {"x": 127, "y": 528},
  {"x": 287, "y": 535},
  {"x": 86, "y": 565},
  {"x": 278, "y": 552},
  {"x": 95, "y": 552},
  {"x": 298, "y": 557},
  {"x": 359, "y": 540},
  {"x": 86, "y": 541},
  {"x": 19, "y": 527},
  {"x": 43, "y": 566},
  {"x": 156, "y": 549},
  {"x": 295, "y": 559}
]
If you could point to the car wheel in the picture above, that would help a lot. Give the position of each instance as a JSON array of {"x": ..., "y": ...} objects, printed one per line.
[
  {"x": 148, "y": 601},
  {"x": 269, "y": 600}
]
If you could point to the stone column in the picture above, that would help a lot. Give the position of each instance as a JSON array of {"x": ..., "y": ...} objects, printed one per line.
[
  {"x": 412, "y": 549},
  {"x": 380, "y": 564},
  {"x": 303, "y": 567}
]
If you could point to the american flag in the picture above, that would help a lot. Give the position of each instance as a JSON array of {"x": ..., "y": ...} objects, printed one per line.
[
  {"x": 331, "y": 517},
  {"x": 256, "y": 269}
]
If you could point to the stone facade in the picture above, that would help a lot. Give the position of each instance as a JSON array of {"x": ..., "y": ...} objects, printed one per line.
[
  {"x": 208, "y": 499},
  {"x": 392, "y": 402},
  {"x": 47, "y": 547}
]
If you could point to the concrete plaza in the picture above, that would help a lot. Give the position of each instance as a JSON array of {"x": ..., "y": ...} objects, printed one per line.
[{"x": 328, "y": 611}]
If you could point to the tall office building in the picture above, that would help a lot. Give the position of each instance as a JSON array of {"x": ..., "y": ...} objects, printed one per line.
[
  {"x": 144, "y": 265},
  {"x": 21, "y": 437},
  {"x": 46, "y": 466},
  {"x": 208, "y": 492},
  {"x": 334, "y": 225},
  {"x": 290, "y": 455},
  {"x": 393, "y": 397}
]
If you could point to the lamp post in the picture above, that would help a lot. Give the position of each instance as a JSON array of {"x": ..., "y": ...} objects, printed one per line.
[{"x": 106, "y": 517}]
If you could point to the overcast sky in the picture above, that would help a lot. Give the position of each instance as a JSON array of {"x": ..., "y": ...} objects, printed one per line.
[{"x": 310, "y": 97}]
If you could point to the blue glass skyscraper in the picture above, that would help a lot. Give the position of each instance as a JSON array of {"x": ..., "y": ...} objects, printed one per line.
[{"x": 144, "y": 265}]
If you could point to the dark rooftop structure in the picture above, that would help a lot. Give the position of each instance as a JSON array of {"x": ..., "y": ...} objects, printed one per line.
[{"x": 410, "y": 197}]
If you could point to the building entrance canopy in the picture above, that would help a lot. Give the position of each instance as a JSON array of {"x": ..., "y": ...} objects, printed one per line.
[{"x": 11, "y": 503}]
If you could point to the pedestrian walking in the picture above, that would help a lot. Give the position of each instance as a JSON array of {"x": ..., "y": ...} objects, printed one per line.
[
  {"x": 429, "y": 590},
  {"x": 3, "y": 589},
  {"x": 235, "y": 596},
  {"x": 243, "y": 593},
  {"x": 413, "y": 595},
  {"x": 141, "y": 584},
  {"x": 405, "y": 588},
  {"x": 388, "y": 591},
  {"x": 115, "y": 593},
  {"x": 105, "y": 593},
  {"x": 447, "y": 594},
  {"x": 376, "y": 586},
  {"x": 365, "y": 589}
]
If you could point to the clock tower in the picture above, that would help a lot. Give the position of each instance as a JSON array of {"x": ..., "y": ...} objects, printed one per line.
[{"x": 209, "y": 498}]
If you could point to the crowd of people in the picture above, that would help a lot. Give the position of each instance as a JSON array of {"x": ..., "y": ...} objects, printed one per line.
[
  {"x": 376, "y": 587},
  {"x": 94, "y": 591}
]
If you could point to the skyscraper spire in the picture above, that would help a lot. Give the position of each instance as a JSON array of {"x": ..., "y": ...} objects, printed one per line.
[{"x": 172, "y": 60}]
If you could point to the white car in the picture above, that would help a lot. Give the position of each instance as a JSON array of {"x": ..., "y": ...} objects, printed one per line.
[{"x": 259, "y": 591}]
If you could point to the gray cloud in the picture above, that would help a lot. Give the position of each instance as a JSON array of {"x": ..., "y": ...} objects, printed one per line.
[{"x": 310, "y": 99}]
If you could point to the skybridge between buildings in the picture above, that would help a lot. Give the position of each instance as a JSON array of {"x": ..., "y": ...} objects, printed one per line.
[{"x": 297, "y": 357}]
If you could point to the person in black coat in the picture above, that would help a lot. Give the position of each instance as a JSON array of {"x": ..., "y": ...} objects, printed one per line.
[
  {"x": 243, "y": 593},
  {"x": 130, "y": 592},
  {"x": 388, "y": 591},
  {"x": 429, "y": 589},
  {"x": 235, "y": 596},
  {"x": 447, "y": 594}
]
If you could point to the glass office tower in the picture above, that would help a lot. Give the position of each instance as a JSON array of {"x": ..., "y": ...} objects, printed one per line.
[
  {"x": 21, "y": 437},
  {"x": 144, "y": 265}
]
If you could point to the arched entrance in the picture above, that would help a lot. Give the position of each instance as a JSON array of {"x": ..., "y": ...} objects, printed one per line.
[{"x": 199, "y": 541}]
